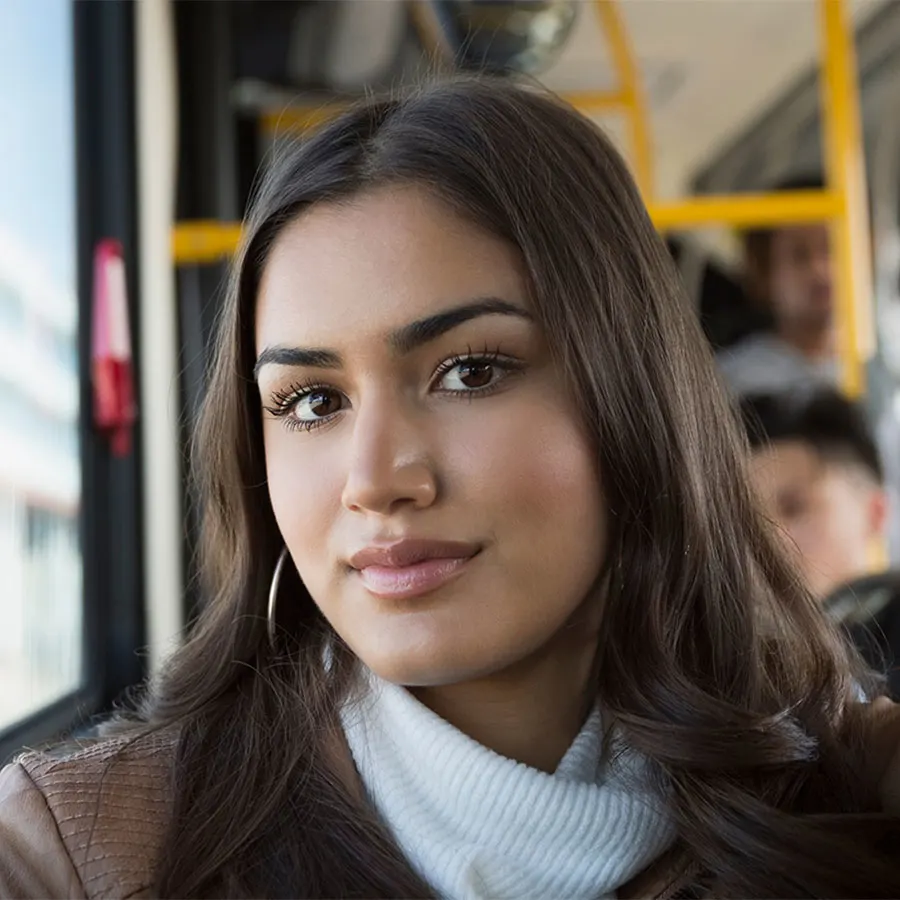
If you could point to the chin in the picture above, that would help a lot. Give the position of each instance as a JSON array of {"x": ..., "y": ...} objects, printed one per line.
[
  {"x": 417, "y": 669},
  {"x": 441, "y": 645},
  {"x": 436, "y": 661}
]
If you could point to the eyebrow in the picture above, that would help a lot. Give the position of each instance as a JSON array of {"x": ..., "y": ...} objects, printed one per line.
[
  {"x": 297, "y": 356},
  {"x": 403, "y": 341},
  {"x": 409, "y": 337}
]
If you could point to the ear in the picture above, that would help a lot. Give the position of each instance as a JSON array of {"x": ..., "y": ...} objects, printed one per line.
[
  {"x": 876, "y": 523},
  {"x": 877, "y": 512}
]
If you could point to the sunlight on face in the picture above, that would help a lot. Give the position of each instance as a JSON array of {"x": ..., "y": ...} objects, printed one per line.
[{"x": 426, "y": 465}]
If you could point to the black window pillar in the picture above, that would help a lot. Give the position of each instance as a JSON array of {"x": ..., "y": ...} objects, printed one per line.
[{"x": 107, "y": 208}]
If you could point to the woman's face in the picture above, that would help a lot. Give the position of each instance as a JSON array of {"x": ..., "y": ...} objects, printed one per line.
[{"x": 426, "y": 465}]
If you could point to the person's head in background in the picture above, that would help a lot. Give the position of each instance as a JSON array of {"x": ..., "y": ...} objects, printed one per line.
[
  {"x": 817, "y": 470},
  {"x": 789, "y": 272}
]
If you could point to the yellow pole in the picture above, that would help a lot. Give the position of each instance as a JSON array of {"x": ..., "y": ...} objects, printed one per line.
[
  {"x": 300, "y": 118},
  {"x": 199, "y": 242},
  {"x": 845, "y": 171},
  {"x": 591, "y": 102},
  {"x": 630, "y": 94},
  {"x": 746, "y": 210},
  {"x": 196, "y": 242}
]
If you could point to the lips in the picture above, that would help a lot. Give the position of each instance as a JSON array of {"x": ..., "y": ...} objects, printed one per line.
[{"x": 411, "y": 568}]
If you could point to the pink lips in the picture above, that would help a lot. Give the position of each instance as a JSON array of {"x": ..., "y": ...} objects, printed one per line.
[{"x": 410, "y": 568}]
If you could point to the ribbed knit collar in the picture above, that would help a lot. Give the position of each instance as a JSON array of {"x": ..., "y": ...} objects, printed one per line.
[{"x": 475, "y": 824}]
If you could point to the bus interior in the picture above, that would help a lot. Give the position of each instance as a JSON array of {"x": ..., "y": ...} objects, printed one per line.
[{"x": 134, "y": 135}]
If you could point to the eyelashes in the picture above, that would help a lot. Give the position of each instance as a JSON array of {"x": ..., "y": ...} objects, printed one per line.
[
  {"x": 283, "y": 399},
  {"x": 307, "y": 404},
  {"x": 284, "y": 403}
]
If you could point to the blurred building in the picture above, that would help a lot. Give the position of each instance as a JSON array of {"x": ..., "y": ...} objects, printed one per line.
[{"x": 39, "y": 484}]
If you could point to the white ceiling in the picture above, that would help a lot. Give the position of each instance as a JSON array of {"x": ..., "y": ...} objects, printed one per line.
[{"x": 709, "y": 67}]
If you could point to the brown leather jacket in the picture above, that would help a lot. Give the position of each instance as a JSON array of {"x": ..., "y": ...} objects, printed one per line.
[{"x": 91, "y": 824}]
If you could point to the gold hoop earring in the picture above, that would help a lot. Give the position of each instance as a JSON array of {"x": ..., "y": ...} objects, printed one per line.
[{"x": 273, "y": 595}]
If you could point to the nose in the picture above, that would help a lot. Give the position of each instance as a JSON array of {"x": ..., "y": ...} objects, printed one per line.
[{"x": 390, "y": 466}]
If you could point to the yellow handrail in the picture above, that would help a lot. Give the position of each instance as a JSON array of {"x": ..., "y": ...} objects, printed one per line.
[
  {"x": 204, "y": 241},
  {"x": 302, "y": 117},
  {"x": 630, "y": 91},
  {"x": 845, "y": 175},
  {"x": 299, "y": 118},
  {"x": 746, "y": 210}
]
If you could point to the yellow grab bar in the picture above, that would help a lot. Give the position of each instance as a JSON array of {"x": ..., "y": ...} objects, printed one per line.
[
  {"x": 204, "y": 241},
  {"x": 630, "y": 93},
  {"x": 845, "y": 175},
  {"x": 746, "y": 210},
  {"x": 207, "y": 241}
]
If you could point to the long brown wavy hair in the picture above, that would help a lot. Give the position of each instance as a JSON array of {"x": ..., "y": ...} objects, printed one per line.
[{"x": 712, "y": 660}]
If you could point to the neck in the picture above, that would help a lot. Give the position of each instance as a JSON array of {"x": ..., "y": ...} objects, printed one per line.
[
  {"x": 815, "y": 344},
  {"x": 530, "y": 712}
]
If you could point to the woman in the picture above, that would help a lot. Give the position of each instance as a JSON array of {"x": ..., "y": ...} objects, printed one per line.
[{"x": 536, "y": 643}]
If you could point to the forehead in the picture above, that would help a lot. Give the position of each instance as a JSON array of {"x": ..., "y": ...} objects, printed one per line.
[
  {"x": 812, "y": 235},
  {"x": 379, "y": 260},
  {"x": 790, "y": 462}
]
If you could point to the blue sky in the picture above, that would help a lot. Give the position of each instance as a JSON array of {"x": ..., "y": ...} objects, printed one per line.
[{"x": 37, "y": 148}]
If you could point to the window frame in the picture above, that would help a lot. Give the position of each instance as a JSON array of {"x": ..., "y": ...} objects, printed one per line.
[{"x": 113, "y": 623}]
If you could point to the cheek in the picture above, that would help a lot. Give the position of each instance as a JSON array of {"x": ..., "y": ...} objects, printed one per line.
[
  {"x": 531, "y": 474},
  {"x": 849, "y": 527},
  {"x": 826, "y": 540},
  {"x": 813, "y": 539},
  {"x": 787, "y": 287},
  {"x": 521, "y": 474},
  {"x": 517, "y": 474},
  {"x": 305, "y": 492}
]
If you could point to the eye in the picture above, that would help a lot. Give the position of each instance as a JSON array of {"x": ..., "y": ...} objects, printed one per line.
[
  {"x": 471, "y": 375},
  {"x": 306, "y": 406},
  {"x": 791, "y": 505},
  {"x": 474, "y": 373},
  {"x": 316, "y": 404}
]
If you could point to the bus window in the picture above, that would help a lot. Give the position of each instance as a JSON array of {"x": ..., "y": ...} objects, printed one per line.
[{"x": 41, "y": 607}]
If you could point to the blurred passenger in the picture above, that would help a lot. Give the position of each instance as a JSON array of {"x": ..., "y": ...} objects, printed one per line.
[
  {"x": 484, "y": 571},
  {"x": 816, "y": 468},
  {"x": 789, "y": 272}
]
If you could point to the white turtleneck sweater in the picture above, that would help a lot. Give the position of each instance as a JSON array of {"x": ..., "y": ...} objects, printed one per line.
[{"x": 475, "y": 824}]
